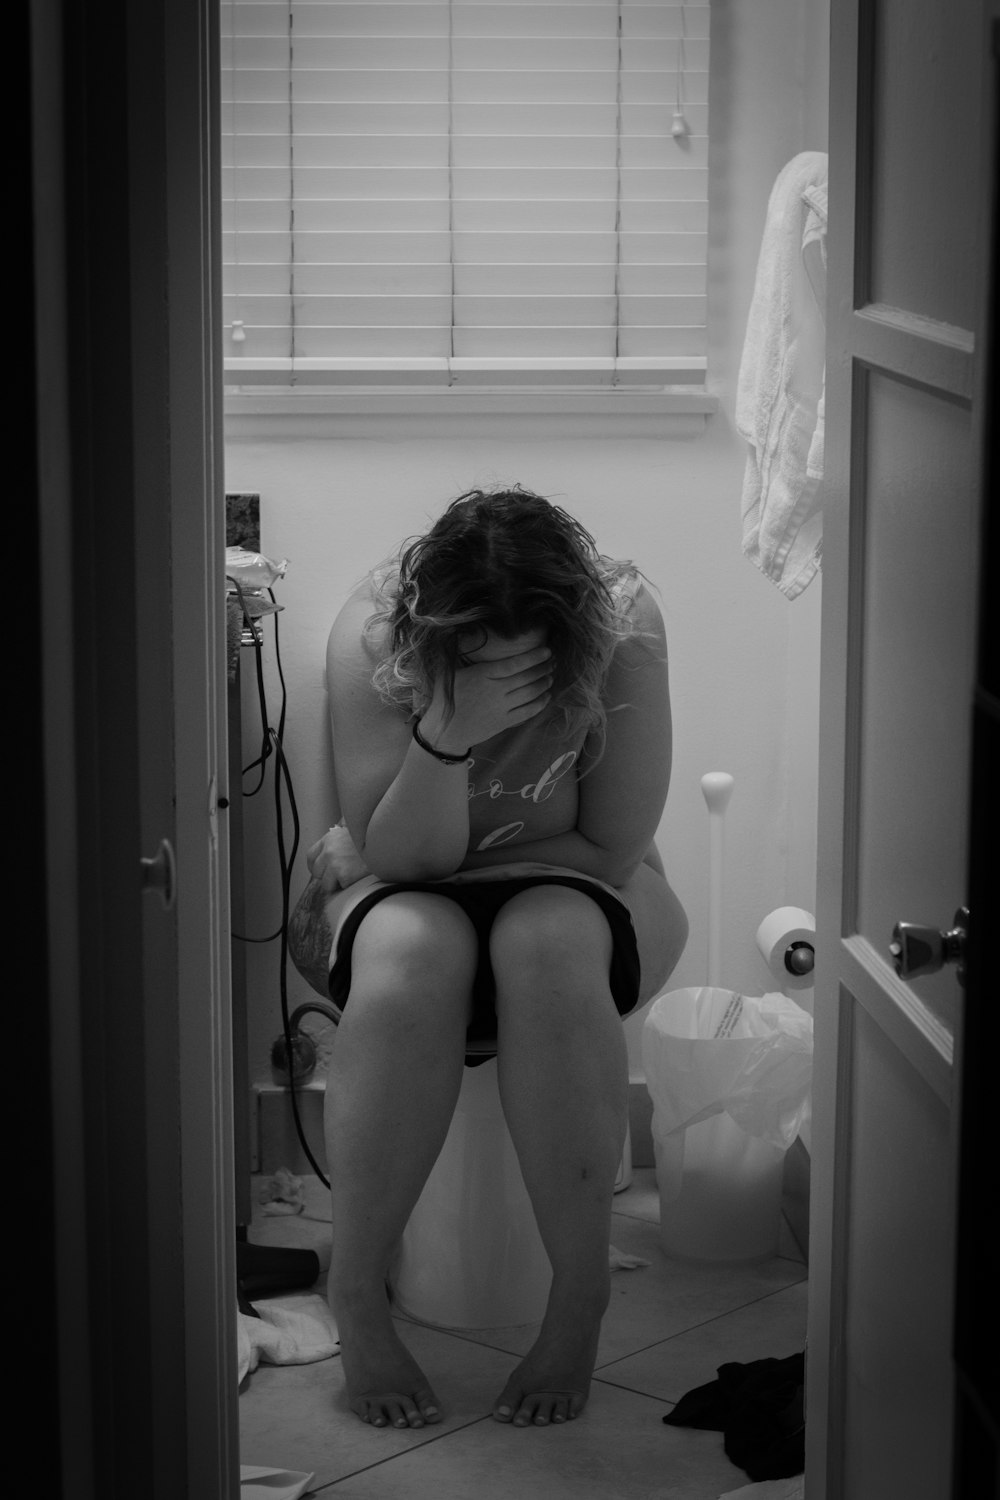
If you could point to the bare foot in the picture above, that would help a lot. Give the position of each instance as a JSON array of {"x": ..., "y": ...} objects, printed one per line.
[
  {"x": 552, "y": 1382},
  {"x": 385, "y": 1385}
]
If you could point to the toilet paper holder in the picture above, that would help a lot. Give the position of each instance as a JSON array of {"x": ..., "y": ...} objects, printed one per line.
[
  {"x": 786, "y": 940},
  {"x": 799, "y": 958}
]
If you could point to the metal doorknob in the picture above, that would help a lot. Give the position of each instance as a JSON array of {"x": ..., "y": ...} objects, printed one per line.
[
  {"x": 924, "y": 950},
  {"x": 160, "y": 874}
]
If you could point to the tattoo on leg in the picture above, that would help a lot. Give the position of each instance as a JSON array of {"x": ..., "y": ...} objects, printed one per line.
[{"x": 310, "y": 938}]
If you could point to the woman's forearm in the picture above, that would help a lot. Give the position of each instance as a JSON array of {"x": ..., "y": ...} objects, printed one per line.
[
  {"x": 420, "y": 828},
  {"x": 572, "y": 850}
]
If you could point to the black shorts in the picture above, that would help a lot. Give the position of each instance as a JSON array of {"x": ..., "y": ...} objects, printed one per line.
[{"x": 481, "y": 900}]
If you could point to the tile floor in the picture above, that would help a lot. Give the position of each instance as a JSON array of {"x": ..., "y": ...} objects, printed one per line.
[{"x": 668, "y": 1328}]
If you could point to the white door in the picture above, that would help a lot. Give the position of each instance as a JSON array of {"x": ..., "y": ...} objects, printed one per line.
[{"x": 906, "y": 257}]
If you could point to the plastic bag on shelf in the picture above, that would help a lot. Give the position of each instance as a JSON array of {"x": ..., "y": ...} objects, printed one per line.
[{"x": 251, "y": 570}]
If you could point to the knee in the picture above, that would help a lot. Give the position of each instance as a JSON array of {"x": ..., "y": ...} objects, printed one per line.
[
  {"x": 415, "y": 944},
  {"x": 551, "y": 938}
]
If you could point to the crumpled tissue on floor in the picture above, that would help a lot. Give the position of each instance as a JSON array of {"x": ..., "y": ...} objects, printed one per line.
[{"x": 282, "y": 1194}]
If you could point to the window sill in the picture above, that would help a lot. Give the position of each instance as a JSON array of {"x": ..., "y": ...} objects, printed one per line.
[
  {"x": 353, "y": 385},
  {"x": 684, "y": 409},
  {"x": 373, "y": 400}
]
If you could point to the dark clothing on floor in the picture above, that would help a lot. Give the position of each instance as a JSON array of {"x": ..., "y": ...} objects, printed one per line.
[{"x": 759, "y": 1409}]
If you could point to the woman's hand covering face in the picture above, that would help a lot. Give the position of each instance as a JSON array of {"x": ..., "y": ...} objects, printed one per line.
[{"x": 501, "y": 685}]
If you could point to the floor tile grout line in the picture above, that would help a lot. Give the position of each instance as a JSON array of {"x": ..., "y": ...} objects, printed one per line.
[
  {"x": 705, "y": 1323},
  {"x": 468, "y": 1335},
  {"x": 632, "y": 1390},
  {"x": 425, "y": 1442}
]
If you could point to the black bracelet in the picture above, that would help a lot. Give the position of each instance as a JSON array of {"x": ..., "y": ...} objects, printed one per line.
[{"x": 446, "y": 760}]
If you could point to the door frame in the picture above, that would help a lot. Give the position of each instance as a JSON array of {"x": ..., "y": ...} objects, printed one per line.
[
  {"x": 183, "y": 1373},
  {"x": 977, "y": 1298},
  {"x": 122, "y": 165}
]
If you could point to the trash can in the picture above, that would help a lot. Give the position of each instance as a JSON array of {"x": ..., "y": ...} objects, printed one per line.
[{"x": 730, "y": 1078}]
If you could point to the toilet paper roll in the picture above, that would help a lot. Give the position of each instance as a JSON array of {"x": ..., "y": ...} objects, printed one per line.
[{"x": 786, "y": 938}]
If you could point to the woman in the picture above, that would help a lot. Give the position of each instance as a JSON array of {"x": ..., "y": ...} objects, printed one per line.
[{"x": 501, "y": 725}]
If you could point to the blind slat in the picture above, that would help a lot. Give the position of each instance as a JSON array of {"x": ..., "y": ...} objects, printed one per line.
[
  {"x": 419, "y": 309},
  {"x": 475, "y": 181},
  {"x": 416, "y": 248}
]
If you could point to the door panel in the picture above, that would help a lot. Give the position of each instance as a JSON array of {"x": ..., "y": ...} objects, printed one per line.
[
  {"x": 899, "y": 607},
  {"x": 896, "y": 1381},
  {"x": 923, "y": 247},
  {"x": 917, "y": 663}
]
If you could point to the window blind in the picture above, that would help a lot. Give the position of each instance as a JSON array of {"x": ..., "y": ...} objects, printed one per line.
[{"x": 478, "y": 190}]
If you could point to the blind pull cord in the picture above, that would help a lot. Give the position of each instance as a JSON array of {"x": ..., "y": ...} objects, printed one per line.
[
  {"x": 291, "y": 186},
  {"x": 618, "y": 203},
  {"x": 451, "y": 190}
]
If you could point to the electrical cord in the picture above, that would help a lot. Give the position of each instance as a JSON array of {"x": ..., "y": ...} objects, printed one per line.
[
  {"x": 262, "y": 703},
  {"x": 265, "y": 747},
  {"x": 271, "y": 744}
]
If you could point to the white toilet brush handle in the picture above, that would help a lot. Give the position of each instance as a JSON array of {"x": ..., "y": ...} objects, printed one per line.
[{"x": 717, "y": 788}]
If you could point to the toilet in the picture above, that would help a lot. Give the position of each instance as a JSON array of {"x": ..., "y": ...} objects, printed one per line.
[{"x": 471, "y": 1255}]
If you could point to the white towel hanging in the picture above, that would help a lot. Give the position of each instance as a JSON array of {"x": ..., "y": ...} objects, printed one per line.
[{"x": 780, "y": 394}]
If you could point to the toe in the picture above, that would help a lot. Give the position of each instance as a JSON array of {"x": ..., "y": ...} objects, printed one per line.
[
  {"x": 544, "y": 1407},
  {"x": 406, "y": 1413},
  {"x": 506, "y": 1404},
  {"x": 525, "y": 1414},
  {"x": 369, "y": 1413},
  {"x": 387, "y": 1410},
  {"x": 426, "y": 1401}
]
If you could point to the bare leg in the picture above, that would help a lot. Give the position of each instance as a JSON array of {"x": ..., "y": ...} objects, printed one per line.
[
  {"x": 564, "y": 1085},
  {"x": 395, "y": 1074}
]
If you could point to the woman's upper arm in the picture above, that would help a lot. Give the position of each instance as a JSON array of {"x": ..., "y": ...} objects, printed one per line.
[
  {"x": 622, "y": 798},
  {"x": 370, "y": 737}
]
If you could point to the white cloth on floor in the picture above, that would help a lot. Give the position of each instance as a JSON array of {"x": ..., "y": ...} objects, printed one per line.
[
  {"x": 620, "y": 1260},
  {"x": 780, "y": 392},
  {"x": 296, "y": 1329},
  {"x": 770, "y": 1489},
  {"x": 258, "y": 1483}
]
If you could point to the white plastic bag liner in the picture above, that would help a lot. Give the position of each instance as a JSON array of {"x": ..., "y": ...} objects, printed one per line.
[
  {"x": 729, "y": 1076},
  {"x": 705, "y": 1051}
]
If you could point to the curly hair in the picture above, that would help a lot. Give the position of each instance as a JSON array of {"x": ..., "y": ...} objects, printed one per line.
[{"x": 505, "y": 561}]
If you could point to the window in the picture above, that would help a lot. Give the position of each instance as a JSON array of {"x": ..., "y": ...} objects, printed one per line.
[{"x": 480, "y": 192}]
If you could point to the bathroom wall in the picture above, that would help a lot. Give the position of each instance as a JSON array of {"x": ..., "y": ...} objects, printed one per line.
[{"x": 336, "y": 493}]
